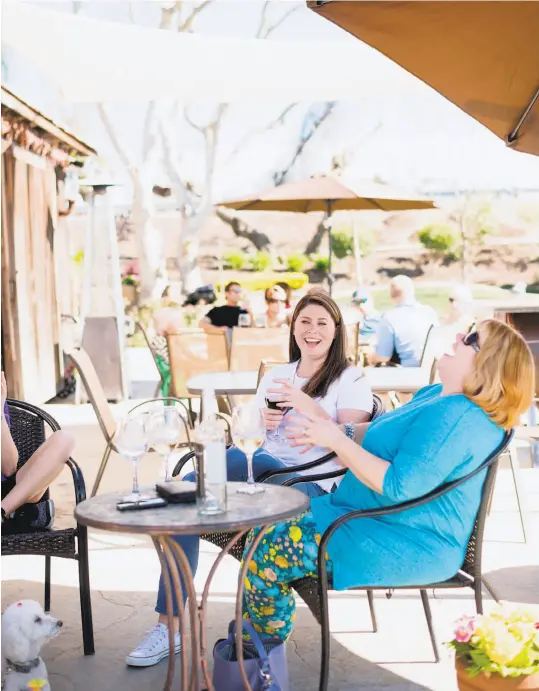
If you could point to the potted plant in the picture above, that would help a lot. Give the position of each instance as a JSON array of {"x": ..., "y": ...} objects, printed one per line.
[{"x": 497, "y": 651}]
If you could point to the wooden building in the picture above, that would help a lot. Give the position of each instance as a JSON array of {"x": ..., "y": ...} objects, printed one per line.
[{"x": 35, "y": 229}]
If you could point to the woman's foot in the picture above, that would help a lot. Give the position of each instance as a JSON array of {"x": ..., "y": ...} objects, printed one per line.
[
  {"x": 33, "y": 516},
  {"x": 153, "y": 648}
]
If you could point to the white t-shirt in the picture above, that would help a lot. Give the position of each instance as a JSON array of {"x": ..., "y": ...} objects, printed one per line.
[{"x": 351, "y": 391}]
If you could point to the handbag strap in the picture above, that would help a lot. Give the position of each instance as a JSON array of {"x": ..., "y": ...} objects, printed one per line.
[{"x": 269, "y": 684}]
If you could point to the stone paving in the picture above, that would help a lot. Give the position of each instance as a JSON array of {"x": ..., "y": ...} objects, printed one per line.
[{"x": 124, "y": 574}]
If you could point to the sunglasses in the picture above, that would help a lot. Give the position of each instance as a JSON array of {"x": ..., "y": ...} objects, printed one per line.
[
  {"x": 472, "y": 339},
  {"x": 272, "y": 301}
]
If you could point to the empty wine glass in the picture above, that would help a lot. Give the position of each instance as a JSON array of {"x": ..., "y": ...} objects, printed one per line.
[
  {"x": 249, "y": 432},
  {"x": 131, "y": 441},
  {"x": 164, "y": 433}
]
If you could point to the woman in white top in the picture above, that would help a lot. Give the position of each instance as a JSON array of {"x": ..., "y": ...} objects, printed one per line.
[
  {"x": 276, "y": 314},
  {"x": 317, "y": 381}
]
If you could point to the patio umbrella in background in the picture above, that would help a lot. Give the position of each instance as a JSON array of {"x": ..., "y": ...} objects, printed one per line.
[
  {"x": 329, "y": 194},
  {"x": 482, "y": 56}
]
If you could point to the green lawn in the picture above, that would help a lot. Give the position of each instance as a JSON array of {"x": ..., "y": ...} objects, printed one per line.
[{"x": 437, "y": 296}]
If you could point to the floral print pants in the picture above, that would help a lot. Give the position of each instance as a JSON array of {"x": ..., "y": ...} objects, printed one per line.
[{"x": 288, "y": 551}]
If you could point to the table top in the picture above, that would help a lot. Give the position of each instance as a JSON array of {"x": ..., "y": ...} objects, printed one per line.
[
  {"x": 245, "y": 511},
  {"x": 381, "y": 379}
]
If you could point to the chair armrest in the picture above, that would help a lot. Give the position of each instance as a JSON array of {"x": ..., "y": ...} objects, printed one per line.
[
  {"x": 184, "y": 459},
  {"x": 297, "y": 468},
  {"x": 314, "y": 478},
  {"x": 78, "y": 480}
]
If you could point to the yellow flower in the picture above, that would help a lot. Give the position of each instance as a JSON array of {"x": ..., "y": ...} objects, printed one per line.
[
  {"x": 247, "y": 584},
  {"x": 281, "y": 561},
  {"x": 272, "y": 551},
  {"x": 295, "y": 533},
  {"x": 36, "y": 683},
  {"x": 317, "y": 539},
  {"x": 257, "y": 627},
  {"x": 268, "y": 611},
  {"x": 252, "y": 566}
]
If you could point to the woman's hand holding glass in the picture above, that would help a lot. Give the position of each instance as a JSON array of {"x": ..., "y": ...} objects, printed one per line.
[
  {"x": 292, "y": 397},
  {"x": 131, "y": 441}
]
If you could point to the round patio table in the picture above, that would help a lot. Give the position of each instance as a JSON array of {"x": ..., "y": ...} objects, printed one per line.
[
  {"x": 244, "y": 512},
  {"x": 381, "y": 379}
]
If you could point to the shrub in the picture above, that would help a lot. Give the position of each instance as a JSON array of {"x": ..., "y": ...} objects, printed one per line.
[
  {"x": 234, "y": 259},
  {"x": 440, "y": 238},
  {"x": 296, "y": 262},
  {"x": 270, "y": 278},
  {"x": 342, "y": 241},
  {"x": 261, "y": 261},
  {"x": 321, "y": 263}
]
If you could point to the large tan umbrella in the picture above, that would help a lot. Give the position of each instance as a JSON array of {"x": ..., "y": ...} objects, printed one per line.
[
  {"x": 329, "y": 194},
  {"x": 482, "y": 56}
]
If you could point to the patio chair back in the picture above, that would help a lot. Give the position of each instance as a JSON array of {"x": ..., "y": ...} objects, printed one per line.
[
  {"x": 431, "y": 348},
  {"x": 352, "y": 342},
  {"x": 250, "y": 346},
  {"x": 193, "y": 352},
  {"x": 265, "y": 366},
  {"x": 94, "y": 389}
]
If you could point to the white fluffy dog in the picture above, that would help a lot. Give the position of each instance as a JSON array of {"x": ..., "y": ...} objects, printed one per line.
[{"x": 25, "y": 629}]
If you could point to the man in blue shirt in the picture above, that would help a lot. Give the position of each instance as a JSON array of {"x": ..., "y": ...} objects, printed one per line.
[{"x": 403, "y": 330}]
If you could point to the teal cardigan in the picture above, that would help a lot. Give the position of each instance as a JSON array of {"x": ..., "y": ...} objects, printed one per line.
[{"x": 429, "y": 441}]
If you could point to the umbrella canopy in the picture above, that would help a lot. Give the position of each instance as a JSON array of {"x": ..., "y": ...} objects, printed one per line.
[
  {"x": 482, "y": 56},
  {"x": 329, "y": 194}
]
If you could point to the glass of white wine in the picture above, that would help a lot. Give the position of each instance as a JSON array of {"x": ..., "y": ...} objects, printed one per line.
[
  {"x": 249, "y": 432},
  {"x": 131, "y": 441},
  {"x": 164, "y": 434}
]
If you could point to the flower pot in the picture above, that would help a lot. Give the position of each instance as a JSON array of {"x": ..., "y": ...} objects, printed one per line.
[{"x": 494, "y": 683}]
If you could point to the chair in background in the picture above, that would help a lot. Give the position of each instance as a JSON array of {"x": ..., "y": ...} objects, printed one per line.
[
  {"x": 164, "y": 374},
  {"x": 250, "y": 346},
  {"x": 265, "y": 366},
  {"x": 84, "y": 366},
  {"x": 352, "y": 342},
  {"x": 27, "y": 425},
  {"x": 191, "y": 352}
]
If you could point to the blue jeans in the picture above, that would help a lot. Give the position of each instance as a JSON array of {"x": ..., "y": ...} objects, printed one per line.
[{"x": 237, "y": 472}]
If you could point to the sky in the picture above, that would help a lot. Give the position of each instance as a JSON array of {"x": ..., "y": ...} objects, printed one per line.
[{"x": 414, "y": 139}]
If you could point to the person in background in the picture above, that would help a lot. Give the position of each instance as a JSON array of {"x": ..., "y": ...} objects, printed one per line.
[
  {"x": 220, "y": 319},
  {"x": 460, "y": 315},
  {"x": 403, "y": 330},
  {"x": 166, "y": 317},
  {"x": 369, "y": 315},
  {"x": 275, "y": 314},
  {"x": 288, "y": 290},
  {"x": 22, "y": 488}
]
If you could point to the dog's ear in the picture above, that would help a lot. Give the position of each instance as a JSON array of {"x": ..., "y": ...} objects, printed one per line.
[{"x": 15, "y": 644}]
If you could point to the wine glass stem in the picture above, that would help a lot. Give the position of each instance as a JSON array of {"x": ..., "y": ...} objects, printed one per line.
[
  {"x": 250, "y": 478},
  {"x": 167, "y": 467},
  {"x": 135, "y": 476}
]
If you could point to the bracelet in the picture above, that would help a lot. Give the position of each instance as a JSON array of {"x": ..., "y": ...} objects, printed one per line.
[{"x": 350, "y": 431}]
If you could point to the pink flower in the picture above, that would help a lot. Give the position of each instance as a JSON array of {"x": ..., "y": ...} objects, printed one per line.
[{"x": 464, "y": 628}]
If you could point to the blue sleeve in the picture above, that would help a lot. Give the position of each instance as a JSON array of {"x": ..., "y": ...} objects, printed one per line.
[
  {"x": 433, "y": 446},
  {"x": 6, "y": 414},
  {"x": 385, "y": 339}
]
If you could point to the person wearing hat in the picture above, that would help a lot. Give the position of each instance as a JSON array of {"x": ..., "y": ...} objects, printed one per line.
[
  {"x": 276, "y": 313},
  {"x": 370, "y": 317}
]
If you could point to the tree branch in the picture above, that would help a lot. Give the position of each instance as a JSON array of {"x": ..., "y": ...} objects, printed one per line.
[
  {"x": 192, "y": 123},
  {"x": 113, "y": 137},
  {"x": 278, "y": 121},
  {"x": 188, "y": 23},
  {"x": 279, "y": 176},
  {"x": 278, "y": 23},
  {"x": 243, "y": 230},
  {"x": 262, "y": 20}
]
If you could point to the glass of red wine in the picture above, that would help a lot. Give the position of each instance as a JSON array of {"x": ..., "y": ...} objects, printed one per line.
[{"x": 272, "y": 402}]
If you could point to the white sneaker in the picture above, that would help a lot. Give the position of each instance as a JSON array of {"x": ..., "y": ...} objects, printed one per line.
[{"x": 153, "y": 648}]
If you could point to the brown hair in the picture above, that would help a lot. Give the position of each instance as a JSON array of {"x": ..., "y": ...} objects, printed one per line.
[
  {"x": 335, "y": 362},
  {"x": 503, "y": 379}
]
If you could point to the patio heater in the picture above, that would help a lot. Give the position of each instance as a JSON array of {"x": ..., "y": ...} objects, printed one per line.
[{"x": 102, "y": 313}]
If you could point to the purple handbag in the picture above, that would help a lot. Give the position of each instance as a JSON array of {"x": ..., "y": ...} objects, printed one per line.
[{"x": 265, "y": 662}]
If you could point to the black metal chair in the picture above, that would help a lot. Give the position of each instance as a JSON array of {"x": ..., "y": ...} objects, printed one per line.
[
  {"x": 314, "y": 591},
  {"x": 27, "y": 425},
  {"x": 221, "y": 540}
]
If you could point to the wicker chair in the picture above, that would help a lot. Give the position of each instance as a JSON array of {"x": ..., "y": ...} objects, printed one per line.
[
  {"x": 27, "y": 424},
  {"x": 222, "y": 539}
]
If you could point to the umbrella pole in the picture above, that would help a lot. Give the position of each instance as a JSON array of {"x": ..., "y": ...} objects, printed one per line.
[{"x": 330, "y": 243}]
